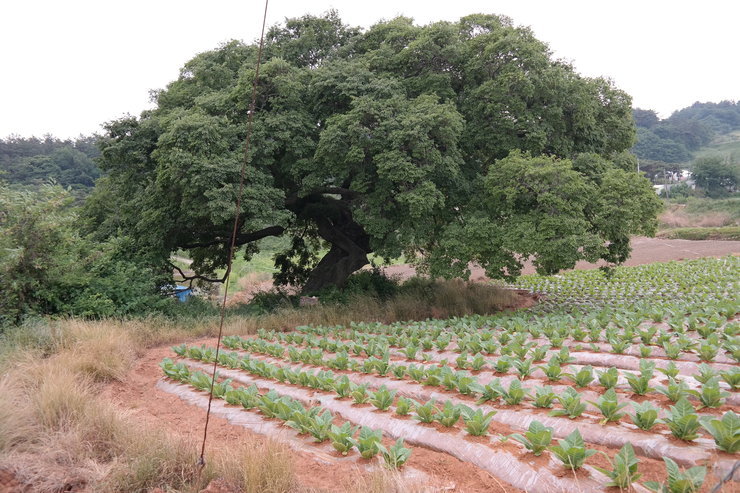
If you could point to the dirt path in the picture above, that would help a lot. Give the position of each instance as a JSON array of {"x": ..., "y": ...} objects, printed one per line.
[{"x": 644, "y": 251}]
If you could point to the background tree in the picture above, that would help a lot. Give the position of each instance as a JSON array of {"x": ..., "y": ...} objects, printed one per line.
[
  {"x": 716, "y": 175},
  {"x": 416, "y": 140}
]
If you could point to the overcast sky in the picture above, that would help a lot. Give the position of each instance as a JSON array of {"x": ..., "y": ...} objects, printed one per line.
[{"x": 71, "y": 65}]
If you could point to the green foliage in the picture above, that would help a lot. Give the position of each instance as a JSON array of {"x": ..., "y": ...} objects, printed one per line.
[
  {"x": 717, "y": 175},
  {"x": 536, "y": 439},
  {"x": 365, "y": 146},
  {"x": 583, "y": 377},
  {"x": 725, "y": 431},
  {"x": 448, "y": 415},
  {"x": 710, "y": 395},
  {"x": 624, "y": 468},
  {"x": 571, "y": 402},
  {"x": 382, "y": 398},
  {"x": 368, "y": 442},
  {"x": 678, "y": 481},
  {"x": 514, "y": 394},
  {"x": 572, "y": 451},
  {"x": 341, "y": 437},
  {"x": 683, "y": 421},
  {"x": 544, "y": 397},
  {"x": 675, "y": 390},
  {"x": 476, "y": 422},
  {"x": 609, "y": 406},
  {"x": 34, "y": 162},
  {"x": 404, "y": 406},
  {"x": 426, "y": 413},
  {"x": 609, "y": 377},
  {"x": 396, "y": 455}
]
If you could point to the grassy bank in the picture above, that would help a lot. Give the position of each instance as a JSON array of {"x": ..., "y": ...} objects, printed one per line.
[{"x": 720, "y": 233}]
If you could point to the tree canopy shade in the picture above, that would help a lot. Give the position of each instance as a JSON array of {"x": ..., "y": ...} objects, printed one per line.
[{"x": 447, "y": 143}]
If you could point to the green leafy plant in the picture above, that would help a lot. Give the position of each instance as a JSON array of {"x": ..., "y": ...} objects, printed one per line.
[
  {"x": 382, "y": 398},
  {"x": 502, "y": 365},
  {"x": 425, "y": 413},
  {"x": 725, "y": 431},
  {"x": 683, "y": 421},
  {"x": 476, "y": 422},
  {"x": 645, "y": 415},
  {"x": 609, "y": 406},
  {"x": 608, "y": 378},
  {"x": 624, "y": 468},
  {"x": 640, "y": 384},
  {"x": 489, "y": 392},
  {"x": 359, "y": 394},
  {"x": 536, "y": 439},
  {"x": 514, "y": 394},
  {"x": 572, "y": 451},
  {"x": 732, "y": 377},
  {"x": 368, "y": 442},
  {"x": 396, "y": 455},
  {"x": 583, "y": 377},
  {"x": 341, "y": 437},
  {"x": 571, "y": 402},
  {"x": 671, "y": 370},
  {"x": 553, "y": 371},
  {"x": 706, "y": 373},
  {"x": 448, "y": 415},
  {"x": 404, "y": 406},
  {"x": 524, "y": 367},
  {"x": 678, "y": 481},
  {"x": 710, "y": 395},
  {"x": 478, "y": 362},
  {"x": 544, "y": 397},
  {"x": 675, "y": 390}
]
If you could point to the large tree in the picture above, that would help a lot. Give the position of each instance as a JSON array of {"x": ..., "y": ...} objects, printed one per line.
[{"x": 447, "y": 143}]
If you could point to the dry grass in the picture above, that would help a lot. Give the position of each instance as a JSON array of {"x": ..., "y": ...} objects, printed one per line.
[
  {"x": 677, "y": 217},
  {"x": 438, "y": 299},
  {"x": 56, "y": 432}
]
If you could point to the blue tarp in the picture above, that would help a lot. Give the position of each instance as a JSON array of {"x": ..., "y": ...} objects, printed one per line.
[{"x": 182, "y": 293}]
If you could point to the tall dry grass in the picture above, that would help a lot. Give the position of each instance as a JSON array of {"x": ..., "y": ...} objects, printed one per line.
[{"x": 56, "y": 432}]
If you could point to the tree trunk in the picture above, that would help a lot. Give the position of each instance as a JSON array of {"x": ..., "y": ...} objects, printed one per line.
[{"x": 349, "y": 248}]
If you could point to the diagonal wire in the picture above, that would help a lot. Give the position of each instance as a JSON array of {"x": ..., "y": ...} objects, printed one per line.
[{"x": 250, "y": 118}]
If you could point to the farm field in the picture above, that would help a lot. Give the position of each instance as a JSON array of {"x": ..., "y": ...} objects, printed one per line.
[{"x": 607, "y": 378}]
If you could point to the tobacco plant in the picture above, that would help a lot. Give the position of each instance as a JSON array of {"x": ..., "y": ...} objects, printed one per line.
[
  {"x": 476, "y": 422},
  {"x": 608, "y": 378},
  {"x": 572, "y": 451},
  {"x": 382, "y": 398},
  {"x": 678, "y": 481},
  {"x": 583, "y": 377},
  {"x": 710, "y": 395},
  {"x": 609, "y": 406},
  {"x": 341, "y": 437},
  {"x": 536, "y": 439},
  {"x": 404, "y": 406},
  {"x": 448, "y": 415},
  {"x": 725, "y": 431},
  {"x": 624, "y": 468},
  {"x": 571, "y": 402},
  {"x": 683, "y": 421},
  {"x": 368, "y": 442},
  {"x": 544, "y": 397},
  {"x": 396, "y": 455},
  {"x": 645, "y": 415}
]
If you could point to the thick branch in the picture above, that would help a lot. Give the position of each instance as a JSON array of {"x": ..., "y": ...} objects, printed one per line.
[
  {"x": 241, "y": 239},
  {"x": 194, "y": 277}
]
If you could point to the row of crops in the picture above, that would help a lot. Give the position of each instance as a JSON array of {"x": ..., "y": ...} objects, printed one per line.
[{"x": 653, "y": 379}]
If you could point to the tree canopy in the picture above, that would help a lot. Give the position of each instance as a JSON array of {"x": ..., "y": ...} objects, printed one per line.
[
  {"x": 33, "y": 161},
  {"x": 447, "y": 143}
]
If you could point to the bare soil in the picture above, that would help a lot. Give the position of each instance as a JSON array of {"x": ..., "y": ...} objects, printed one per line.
[
  {"x": 140, "y": 395},
  {"x": 644, "y": 251}
]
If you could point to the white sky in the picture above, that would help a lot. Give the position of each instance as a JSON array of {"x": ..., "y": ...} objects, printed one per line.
[{"x": 70, "y": 65}]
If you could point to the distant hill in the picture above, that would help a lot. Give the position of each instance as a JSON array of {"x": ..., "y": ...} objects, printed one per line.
[
  {"x": 699, "y": 130},
  {"x": 30, "y": 161}
]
